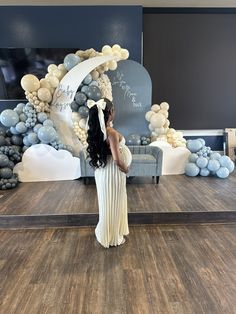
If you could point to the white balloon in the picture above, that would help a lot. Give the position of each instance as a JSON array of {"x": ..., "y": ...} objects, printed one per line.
[
  {"x": 148, "y": 115},
  {"x": 52, "y": 67},
  {"x": 82, "y": 123},
  {"x": 155, "y": 108},
  {"x": 164, "y": 105},
  {"x": 45, "y": 83},
  {"x": 157, "y": 120},
  {"x": 44, "y": 94},
  {"x": 30, "y": 82},
  {"x": 151, "y": 128}
]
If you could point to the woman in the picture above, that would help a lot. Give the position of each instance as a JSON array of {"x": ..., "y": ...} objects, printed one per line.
[{"x": 110, "y": 158}]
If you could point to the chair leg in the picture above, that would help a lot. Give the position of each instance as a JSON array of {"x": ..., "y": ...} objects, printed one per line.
[
  {"x": 85, "y": 180},
  {"x": 157, "y": 179}
]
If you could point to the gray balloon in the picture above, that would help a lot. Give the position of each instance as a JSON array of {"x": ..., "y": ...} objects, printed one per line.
[
  {"x": 2, "y": 140},
  {"x": 80, "y": 98},
  {"x": 6, "y": 173},
  {"x": 2, "y": 131},
  {"x": 94, "y": 92},
  {"x": 4, "y": 160},
  {"x": 83, "y": 111},
  {"x": 16, "y": 140},
  {"x": 74, "y": 106},
  {"x": 134, "y": 139}
]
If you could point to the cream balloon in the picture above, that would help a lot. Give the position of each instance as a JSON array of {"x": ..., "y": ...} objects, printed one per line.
[
  {"x": 30, "y": 82},
  {"x": 164, "y": 105},
  {"x": 44, "y": 94},
  {"x": 157, "y": 120},
  {"x": 148, "y": 115},
  {"x": 155, "y": 108},
  {"x": 45, "y": 83}
]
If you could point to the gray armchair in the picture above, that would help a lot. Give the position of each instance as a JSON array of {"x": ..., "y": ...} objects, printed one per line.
[{"x": 146, "y": 161}]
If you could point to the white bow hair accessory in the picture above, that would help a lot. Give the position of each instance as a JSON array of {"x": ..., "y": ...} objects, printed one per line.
[{"x": 101, "y": 105}]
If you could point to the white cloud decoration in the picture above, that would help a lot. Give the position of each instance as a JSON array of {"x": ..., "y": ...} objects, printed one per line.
[{"x": 42, "y": 162}]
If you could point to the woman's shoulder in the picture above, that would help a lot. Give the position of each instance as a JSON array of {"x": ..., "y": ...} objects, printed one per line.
[{"x": 113, "y": 133}]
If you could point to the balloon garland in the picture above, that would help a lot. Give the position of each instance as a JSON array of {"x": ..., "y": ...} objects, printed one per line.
[{"x": 29, "y": 124}]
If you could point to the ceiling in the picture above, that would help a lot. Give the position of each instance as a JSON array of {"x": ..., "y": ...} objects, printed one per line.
[{"x": 144, "y": 3}]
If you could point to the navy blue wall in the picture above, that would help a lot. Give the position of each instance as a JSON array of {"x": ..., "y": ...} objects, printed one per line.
[{"x": 80, "y": 27}]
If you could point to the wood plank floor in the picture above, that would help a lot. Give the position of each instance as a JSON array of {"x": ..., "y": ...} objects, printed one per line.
[
  {"x": 173, "y": 194},
  {"x": 160, "y": 269}
]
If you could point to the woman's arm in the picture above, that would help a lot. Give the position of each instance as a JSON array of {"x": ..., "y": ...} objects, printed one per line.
[{"x": 113, "y": 138}]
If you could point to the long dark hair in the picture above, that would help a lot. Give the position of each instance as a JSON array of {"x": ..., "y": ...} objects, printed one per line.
[{"x": 98, "y": 149}]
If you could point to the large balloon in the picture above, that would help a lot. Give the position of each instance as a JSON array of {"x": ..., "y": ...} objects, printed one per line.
[
  {"x": 9, "y": 118},
  {"x": 222, "y": 173},
  {"x": 191, "y": 170},
  {"x": 30, "y": 83},
  {"x": 47, "y": 134},
  {"x": 70, "y": 61},
  {"x": 213, "y": 165}
]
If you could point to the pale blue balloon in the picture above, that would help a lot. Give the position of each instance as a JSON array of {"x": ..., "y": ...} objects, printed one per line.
[
  {"x": 192, "y": 157},
  {"x": 20, "y": 106},
  {"x": 202, "y": 162},
  {"x": 230, "y": 166},
  {"x": 13, "y": 130},
  {"x": 204, "y": 172},
  {"x": 71, "y": 60},
  {"x": 194, "y": 145},
  {"x": 21, "y": 127},
  {"x": 37, "y": 127},
  {"x": 191, "y": 169},
  {"x": 215, "y": 156},
  {"x": 134, "y": 139},
  {"x": 222, "y": 173},
  {"x": 83, "y": 111},
  {"x": 2, "y": 131},
  {"x": 9, "y": 118},
  {"x": 47, "y": 134},
  {"x": 80, "y": 98},
  {"x": 2, "y": 140},
  {"x": 26, "y": 141},
  {"x": 42, "y": 116},
  {"x": 213, "y": 165},
  {"x": 48, "y": 122},
  {"x": 23, "y": 117},
  {"x": 33, "y": 138},
  {"x": 202, "y": 141},
  {"x": 224, "y": 161},
  {"x": 88, "y": 79}
]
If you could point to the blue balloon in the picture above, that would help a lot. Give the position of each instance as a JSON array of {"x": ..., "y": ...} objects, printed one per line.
[
  {"x": 37, "y": 127},
  {"x": 48, "y": 122},
  {"x": 20, "y": 106},
  {"x": 192, "y": 157},
  {"x": 80, "y": 98},
  {"x": 215, "y": 156},
  {"x": 213, "y": 165},
  {"x": 94, "y": 93},
  {"x": 222, "y": 173},
  {"x": 33, "y": 138},
  {"x": 202, "y": 141},
  {"x": 202, "y": 162},
  {"x": 4, "y": 160},
  {"x": 224, "y": 161},
  {"x": 204, "y": 172},
  {"x": 47, "y": 134},
  {"x": 83, "y": 111},
  {"x": 84, "y": 90},
  {"x": 88, "y": 79},
  {"x": 2, "y": 131},
  {"x": 71, "y": 60},
  {"x": 191, "y": 169},
  {"x": 230, "y": 166},
  {"x": 9, "y": 118},
  {"x": 194, "y": 145},
  {"x": 23, "y": 117},
  {"x": 13, "y": 130},
  {"x": 42, "y": 116},
  {"x": 6, "y": 173},
  {"x": 26, "y": 141},
  {"x": 21, "y": 127}
]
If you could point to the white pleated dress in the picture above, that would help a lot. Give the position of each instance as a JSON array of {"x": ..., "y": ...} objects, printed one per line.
[{"x": 112, "y": 200}]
